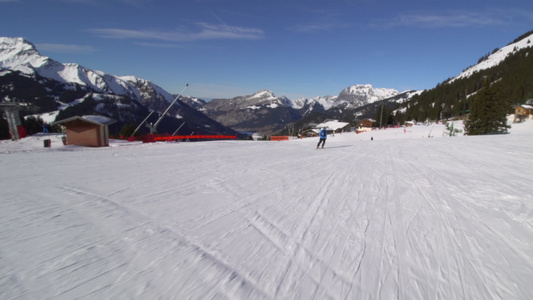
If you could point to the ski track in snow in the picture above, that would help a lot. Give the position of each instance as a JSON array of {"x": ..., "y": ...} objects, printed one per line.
[{"x": 400, "y": 217}]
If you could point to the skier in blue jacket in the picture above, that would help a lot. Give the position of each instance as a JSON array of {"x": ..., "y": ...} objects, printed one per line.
[{"x": 323, "y": 134}]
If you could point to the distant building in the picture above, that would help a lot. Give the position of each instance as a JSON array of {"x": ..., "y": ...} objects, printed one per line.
[
  {"x": 90, "y": 131},
  {"x": 257, "y": 136},
  {"x": 366, "y": 125},
  {"x": 333, "y": 126},
  {"x": 524, "y": 111}
]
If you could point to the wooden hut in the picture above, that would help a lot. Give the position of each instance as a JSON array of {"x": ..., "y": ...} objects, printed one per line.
[
  {"x": 524, "y": 109},
  {"x": 90, "y": 131},
  {"x": 366, "y": 125}
]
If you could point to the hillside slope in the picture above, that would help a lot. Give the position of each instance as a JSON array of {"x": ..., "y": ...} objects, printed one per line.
[{"x": 510, "y": 66}]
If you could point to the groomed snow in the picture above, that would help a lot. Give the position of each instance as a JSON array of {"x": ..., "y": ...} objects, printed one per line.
[{"x": 402, "y": 216}]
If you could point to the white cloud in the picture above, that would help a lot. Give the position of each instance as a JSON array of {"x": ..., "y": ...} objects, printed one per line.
[
  {"x": 206, "y": 32},
  {"x": 159, "y": 45},
  {"x": 322, "y": 20},
  {"x": 451, "y": 20},
  {"x": 317, "y": 26},
  {"x": 456, "y": 18}
]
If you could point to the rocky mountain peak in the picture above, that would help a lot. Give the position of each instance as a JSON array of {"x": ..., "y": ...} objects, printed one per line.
[
  {"x": 20, "y": 55},
  {"x": 13, "y": 46},
  {"x": 363, "y": 94},
  {"x": 263, "y": 95}
]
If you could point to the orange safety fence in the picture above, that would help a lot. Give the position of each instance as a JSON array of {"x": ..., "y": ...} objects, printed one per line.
[
  {"x": 279, "y": 138},
  {"x": 152, "y": 138},
  {"x": 186, "y": 137}
]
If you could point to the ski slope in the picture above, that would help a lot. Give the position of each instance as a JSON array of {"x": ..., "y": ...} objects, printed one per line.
[{"x": 402, "y": 216}]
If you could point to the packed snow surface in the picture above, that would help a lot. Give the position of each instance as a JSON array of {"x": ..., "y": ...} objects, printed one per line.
[{"x": 402, "y": 216}]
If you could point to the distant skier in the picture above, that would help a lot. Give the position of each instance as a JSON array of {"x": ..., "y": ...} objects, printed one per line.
[{"x": 323, "y": 134}]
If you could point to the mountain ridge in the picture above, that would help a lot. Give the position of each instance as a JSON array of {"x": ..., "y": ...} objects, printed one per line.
[
  {"x": 261, "y": 111},
  {"x": 21, "y": 55},
  {"x": 125, "y": 98},
  {"x": 257, "y": 112}
]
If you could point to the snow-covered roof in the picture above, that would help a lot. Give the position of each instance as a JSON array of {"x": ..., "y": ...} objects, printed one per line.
[
  {"x": 93, "y": 119},
  {"x": 526, "y": 106},
  {"x": 332, "y": 125}
]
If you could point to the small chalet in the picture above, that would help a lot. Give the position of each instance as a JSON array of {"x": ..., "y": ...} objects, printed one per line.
[
  {"x": 524, "y": 111},
  {"x": 90, "y": 131},
  {"x": 365, "y": 125}
]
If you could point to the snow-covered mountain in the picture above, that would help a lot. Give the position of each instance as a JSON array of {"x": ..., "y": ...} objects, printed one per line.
[
  {"x": 360, "y": 95},
  {"x": 351, "y": 97},
  {"x": 307, "y": 106},
  {"x": 326, "y": 102},
  {"x": 194, "y": 102},
  {"x": 261, "y": 111},
  {"x": 69, "y": 85},
  {"x": 18, "y": 54},
  {"x": 498, "y": 56},
  {"x": 260, "y": 99},
  {"x": 509, "y": 66}
]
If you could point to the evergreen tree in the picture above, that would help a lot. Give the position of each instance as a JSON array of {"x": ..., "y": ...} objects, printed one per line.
[
  {"x": 4, "y": 129},
  {"x": 488, "y": 112},
  {"x": 127, "y": 130},
  {"x": 33, "y": 124}
]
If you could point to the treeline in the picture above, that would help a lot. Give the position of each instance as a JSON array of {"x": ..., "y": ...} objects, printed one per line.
[{"x": 454, "y": 99}]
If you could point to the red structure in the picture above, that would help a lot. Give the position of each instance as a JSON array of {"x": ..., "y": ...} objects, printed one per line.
[
  {"x": 152, "y": 138},
  {"x": 279, "y": 138}
]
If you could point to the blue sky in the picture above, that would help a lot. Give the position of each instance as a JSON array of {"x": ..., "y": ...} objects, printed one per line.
[{"x": 296, "y": 48}]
